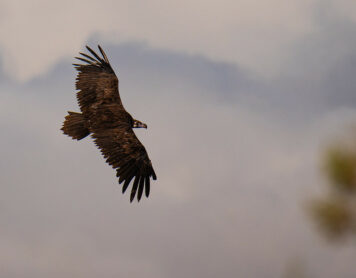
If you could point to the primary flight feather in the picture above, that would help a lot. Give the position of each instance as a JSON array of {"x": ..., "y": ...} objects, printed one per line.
[{"x": 105, "y": 118}]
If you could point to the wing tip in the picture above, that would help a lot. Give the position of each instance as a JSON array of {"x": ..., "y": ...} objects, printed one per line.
[
  {"x": 140, "y": 184},
  {"x": 96, "y": 60}
]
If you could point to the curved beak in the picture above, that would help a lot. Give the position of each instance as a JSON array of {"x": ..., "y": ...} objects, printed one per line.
[{"x": 138, "y": 124}]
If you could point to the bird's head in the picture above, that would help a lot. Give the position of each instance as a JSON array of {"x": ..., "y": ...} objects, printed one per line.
[{"x": 138, "y": 124}]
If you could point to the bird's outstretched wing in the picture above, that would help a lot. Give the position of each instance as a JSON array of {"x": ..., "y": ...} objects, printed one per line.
[
  {"x": 125, "y": 153},
  {"x": 96, "y": 82},
  {"x": 110, "y": 124}
]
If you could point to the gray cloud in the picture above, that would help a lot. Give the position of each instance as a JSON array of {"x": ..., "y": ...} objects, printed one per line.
[
  {"x": 234, "y": 168},
  {"x": 259, "y": 36},
  {"x": 236, "y": 154}
]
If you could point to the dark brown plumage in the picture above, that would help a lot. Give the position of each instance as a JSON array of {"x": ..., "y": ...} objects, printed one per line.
[{"x": 104, "y": 117}]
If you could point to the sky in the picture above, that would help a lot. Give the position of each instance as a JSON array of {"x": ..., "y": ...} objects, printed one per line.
[{"x": 240, "y": 97}]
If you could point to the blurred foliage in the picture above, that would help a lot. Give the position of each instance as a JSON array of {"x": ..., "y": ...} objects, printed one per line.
[
  {"x": 335, "y": 213},
  {"x": 340, "y": 167},
  {"x": 333, "y": 216}
]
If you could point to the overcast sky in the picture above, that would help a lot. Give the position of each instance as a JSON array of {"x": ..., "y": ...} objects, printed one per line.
[{"x": 239, "y": 97}]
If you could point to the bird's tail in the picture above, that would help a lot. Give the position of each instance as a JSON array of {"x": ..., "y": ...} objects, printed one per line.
[{"x": 74, "y": 126}]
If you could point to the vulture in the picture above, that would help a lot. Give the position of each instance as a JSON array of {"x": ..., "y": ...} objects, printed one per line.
[{"x": 104, "y": 117}]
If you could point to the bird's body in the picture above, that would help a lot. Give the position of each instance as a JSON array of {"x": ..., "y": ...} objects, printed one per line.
[{"x": 104, "y": 117}]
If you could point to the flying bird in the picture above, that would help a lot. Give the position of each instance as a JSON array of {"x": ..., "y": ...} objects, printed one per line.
[{"x": 110, "y": 125}]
